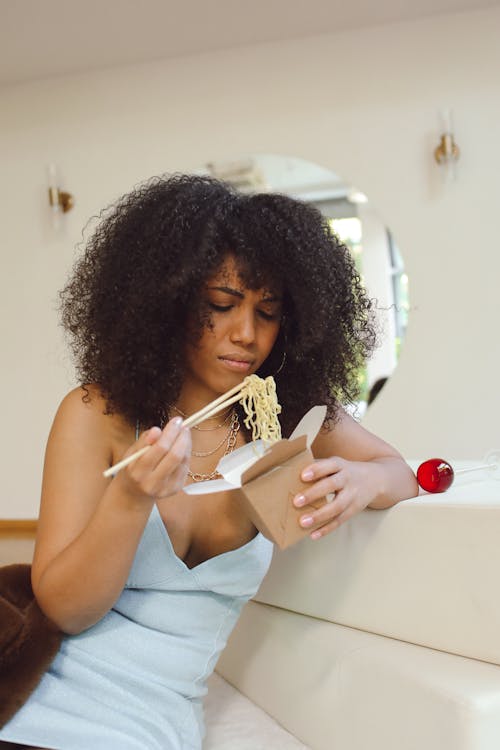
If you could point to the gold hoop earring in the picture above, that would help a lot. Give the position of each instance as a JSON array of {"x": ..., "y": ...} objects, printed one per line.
[{"x": 283, "y": 360}]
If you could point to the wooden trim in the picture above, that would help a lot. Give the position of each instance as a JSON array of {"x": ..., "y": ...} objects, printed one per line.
[{"x": 18, "y": 526}]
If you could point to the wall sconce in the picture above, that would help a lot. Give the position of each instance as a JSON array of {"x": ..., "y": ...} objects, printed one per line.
[
  {"x": 447, "y": 152},
  {"x": 59, "y": 200}
]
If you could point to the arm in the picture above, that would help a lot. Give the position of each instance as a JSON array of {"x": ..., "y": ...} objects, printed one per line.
[
  {"x": 89, "y": 526},
  {"x": 359, "y": 468}
]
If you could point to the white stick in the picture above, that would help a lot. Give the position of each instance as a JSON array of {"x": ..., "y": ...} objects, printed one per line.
[{"x": 476, "y": 468}]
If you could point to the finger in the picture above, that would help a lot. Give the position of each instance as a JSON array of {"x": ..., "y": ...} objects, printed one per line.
[
  {"x": 321, "y": 468},
  {"x": 174, "y": 482},
  {"x": 148, "y": 437},
  {"x": 168, "y": 476},
  {"x": 161, "y": 444},
  {"x": 178, "y": 453},
  {"x": 134, "y": 453},
  {"x": 332, "y": 483},
  {"x": 327, "y": 513},
  {"x": 334, "y": 524}
]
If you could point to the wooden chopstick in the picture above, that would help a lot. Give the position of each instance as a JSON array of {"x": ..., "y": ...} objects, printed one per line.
[
  {"x": 200, "y": 415},
  {"x": 124, "y": 462},
  {"x": 210, "y": 410},
  {"x": 197, "y": 417}
]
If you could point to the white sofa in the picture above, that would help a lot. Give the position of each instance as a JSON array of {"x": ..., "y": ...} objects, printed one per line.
[{"x": 382, "y": 636}]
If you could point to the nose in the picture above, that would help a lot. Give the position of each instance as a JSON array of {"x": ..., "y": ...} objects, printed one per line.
[{"x": 243, "y": 328}]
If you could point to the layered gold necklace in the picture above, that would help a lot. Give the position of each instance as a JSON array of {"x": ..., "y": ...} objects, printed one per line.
[{"x": 229, "y": 440}]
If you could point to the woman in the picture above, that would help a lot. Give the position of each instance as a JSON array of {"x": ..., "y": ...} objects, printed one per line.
[{"x": 185, "y": 288}]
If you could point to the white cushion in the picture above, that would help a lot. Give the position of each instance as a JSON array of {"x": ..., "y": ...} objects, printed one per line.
[
  {"x": 235, "y": 723},
  {"x": 425, "y": 571},
  {"x": 336, "y": 688}
]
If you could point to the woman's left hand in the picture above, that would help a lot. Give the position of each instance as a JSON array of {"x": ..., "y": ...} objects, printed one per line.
[{"x": 349, "y": 486}]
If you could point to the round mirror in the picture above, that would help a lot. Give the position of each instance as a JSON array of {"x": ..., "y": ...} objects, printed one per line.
[{"x": 357, "y": 224}]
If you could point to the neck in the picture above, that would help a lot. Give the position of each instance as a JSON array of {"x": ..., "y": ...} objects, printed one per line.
[
  {"x": 219, "y": 420},
  {"x": 195, "y": 395}
]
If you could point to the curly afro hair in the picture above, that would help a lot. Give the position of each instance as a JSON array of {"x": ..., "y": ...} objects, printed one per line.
[{"x": 125, "y": 306}]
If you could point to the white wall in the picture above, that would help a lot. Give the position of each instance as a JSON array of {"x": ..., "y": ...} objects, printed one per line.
[{"x": 363, "y": 104}]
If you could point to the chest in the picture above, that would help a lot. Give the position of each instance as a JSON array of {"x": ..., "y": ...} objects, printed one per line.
[
  {"x": 201, "y": 527},
  {"x": 204, "y": 526}
]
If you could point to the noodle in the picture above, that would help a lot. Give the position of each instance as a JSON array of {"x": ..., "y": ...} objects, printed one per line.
[{"x": 260, "y": 403}]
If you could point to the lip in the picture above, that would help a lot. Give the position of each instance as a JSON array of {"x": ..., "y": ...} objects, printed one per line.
[{"x": 236, "y": 362}]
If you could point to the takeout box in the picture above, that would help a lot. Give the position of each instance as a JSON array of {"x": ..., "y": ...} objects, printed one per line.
[{"x": 266, "y": 478}]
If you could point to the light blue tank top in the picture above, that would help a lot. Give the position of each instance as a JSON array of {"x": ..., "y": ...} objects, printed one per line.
[{"x": 136, "y": 679}]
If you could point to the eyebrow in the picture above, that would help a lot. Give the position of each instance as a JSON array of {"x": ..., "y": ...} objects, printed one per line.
[{"x": 240, "y": 295}]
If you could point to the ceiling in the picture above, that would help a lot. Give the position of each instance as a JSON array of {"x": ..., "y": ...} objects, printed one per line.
[{"x": 40, "y": 39}]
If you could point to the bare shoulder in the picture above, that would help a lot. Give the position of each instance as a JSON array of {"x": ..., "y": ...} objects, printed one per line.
[
  {"x": 84, "y": 440},
  {"x": 83, "y": 412},
  {"x": 350, "y": 440},
  {"x": 82, "y": 443},
  {"x": 83, "y": 402}
]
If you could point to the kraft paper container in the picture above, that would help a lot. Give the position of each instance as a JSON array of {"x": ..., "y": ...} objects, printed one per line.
[{"x": 267, "y": 478}]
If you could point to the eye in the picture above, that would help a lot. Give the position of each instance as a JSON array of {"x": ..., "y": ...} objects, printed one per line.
[
  {"x": 219, "y": 308},
  {"x": 268, "y": 316}
]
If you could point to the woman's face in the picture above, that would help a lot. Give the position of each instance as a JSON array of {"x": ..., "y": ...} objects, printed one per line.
[{"x": 242, "y": 327}]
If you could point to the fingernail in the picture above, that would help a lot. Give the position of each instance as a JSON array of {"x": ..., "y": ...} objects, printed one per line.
[
  {"x": 177, "y": 421},
  {"x": 307, "y": 474},
  {"x": 306, "y": 521},
  {"x": 316, "y": 535},
  {"x": 299, "y": 500}
]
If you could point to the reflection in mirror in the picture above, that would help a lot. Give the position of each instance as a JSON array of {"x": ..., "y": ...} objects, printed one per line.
[{"x": 356, "y": 223}]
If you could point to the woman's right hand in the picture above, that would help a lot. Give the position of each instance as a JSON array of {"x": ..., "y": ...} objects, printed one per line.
[{"x": 162, "y": 470}]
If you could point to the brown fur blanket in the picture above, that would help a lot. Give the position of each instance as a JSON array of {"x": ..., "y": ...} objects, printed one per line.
[{"x": 28, "y": 639}]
